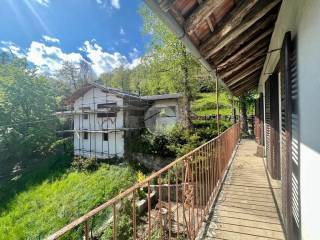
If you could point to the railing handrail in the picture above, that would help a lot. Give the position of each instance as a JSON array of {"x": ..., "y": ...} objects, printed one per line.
[{"x": 136, "y": 186}]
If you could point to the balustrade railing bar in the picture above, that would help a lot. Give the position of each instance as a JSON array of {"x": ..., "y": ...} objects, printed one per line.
[{"x": 178, "y": 197}]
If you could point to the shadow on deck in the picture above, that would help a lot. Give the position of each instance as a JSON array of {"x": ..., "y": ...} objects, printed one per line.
[{"x": 245, "y": 208}]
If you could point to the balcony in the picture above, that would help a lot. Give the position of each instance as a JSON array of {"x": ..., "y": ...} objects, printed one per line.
[{"x": 220, "y": 190}]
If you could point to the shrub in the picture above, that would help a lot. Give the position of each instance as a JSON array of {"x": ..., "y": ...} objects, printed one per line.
[
  {"x": 124, "y": 224},
  {"x": 85, "y": 164}
]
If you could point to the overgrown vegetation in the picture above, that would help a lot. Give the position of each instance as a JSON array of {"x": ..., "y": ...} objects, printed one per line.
[
  {"x": 177, "y": 141},
  {"x": 205, "y": 104},
  {"x": 46, "y": 207}
]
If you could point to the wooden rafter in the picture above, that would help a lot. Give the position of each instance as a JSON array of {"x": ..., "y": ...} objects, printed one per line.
[
  {"x": 246, "y": 88},
  {"x": 243, "y": 50},
  {"x": 220, "y": 40},
  {"x": 245, "y": 38},
  {"x": 254, "y": 76},
  {"x": 249, "y": 71},
  {"x": 210, "y": 24},
  {"x": 201, "y": 14},
  {"x": 254, "y": 52},
  {"x": 244, "y": 64},
  {"x": 233, "y": 20}
]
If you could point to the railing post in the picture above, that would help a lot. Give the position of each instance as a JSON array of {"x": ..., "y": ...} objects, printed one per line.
[
  {"x": 86, "y": 230},
  {"x": 134, "y": 214},
  {"x": 114, "y": 221}
]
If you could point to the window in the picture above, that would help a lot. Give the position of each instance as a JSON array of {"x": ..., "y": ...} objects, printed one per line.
[
  {"x": 84, "y": 108},
  {"x": 85, "y": 135},
  {"x": 106, "y": 105},
  {"x": 105, "y": 137},
  {"x": 107, "y": 114},
  {"x": 85, "y": 116}
]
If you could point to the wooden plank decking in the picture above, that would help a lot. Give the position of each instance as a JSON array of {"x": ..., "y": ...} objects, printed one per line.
[{"x": 245, "y": 208}]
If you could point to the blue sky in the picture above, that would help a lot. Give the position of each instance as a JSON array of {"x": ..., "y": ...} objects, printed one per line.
[{"x": 106, "y": 33}]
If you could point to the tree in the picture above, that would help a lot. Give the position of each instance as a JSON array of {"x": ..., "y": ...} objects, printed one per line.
[
  {"x": 75, "y": 75},
  {"x": 171, "y": 66},
  {"x": 27, "y": 104},
  {"x": 86, "y": 73},
  {"x": 246, "y": 102}
]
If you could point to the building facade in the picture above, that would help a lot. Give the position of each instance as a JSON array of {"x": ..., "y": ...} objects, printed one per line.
[{"x": 106, "y": 119}]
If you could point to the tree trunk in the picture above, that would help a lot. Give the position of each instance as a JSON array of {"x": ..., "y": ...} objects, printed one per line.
[
  {"x": 187, "y": 123},
  {"x": 244, "y": 117}
]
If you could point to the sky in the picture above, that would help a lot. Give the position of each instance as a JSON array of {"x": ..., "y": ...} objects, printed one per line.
[{"x": 106, "y": 33}]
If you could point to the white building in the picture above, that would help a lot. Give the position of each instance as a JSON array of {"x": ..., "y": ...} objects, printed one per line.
[{"x": 105, "y": 118}]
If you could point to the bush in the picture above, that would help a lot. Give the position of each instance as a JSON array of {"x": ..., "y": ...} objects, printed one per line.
[
  {"x": 124, "y": 224},
  {"x": 85, "y": 164}
]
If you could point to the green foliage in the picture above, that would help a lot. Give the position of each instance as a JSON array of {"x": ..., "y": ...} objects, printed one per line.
[
  {"x": 48, "y": 206},
  {"x": 124, "y": 223},
  {"x": 27, "y": 128},
  {"x": 205, "y": 104},
  {"x": 85, "y": 164}
]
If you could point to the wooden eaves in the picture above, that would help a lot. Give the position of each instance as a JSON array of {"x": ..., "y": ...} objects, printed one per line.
[{"x": 232, "y": 36}]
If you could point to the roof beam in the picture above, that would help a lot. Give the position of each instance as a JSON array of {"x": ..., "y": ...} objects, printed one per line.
[
  {"x": 236, "y": 28},
  {"x": 242, "y": 50},
  {"x": 250, "y": 70},
  {"x": 239, "y": 91},
  {"x": 201, "y": 14},
  {"x": 246, "y": 37},
  {"x": 257, "y": 52},
  {"x": 254, "y": 76},
  {"x": 242, "y": 65}
]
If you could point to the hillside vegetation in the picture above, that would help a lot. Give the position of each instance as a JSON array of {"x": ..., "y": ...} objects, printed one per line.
[
  {"x": 205, "y": 104},
  {"x": 47, "y": 207}
]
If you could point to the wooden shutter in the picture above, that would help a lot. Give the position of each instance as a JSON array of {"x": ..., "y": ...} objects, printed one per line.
[
  {"x": 257, "y": 123},
  {"x": 268, "y": 124},
  {"x": 272, "y": 126},
  {"x": 290, "y": 152},
  {"x": 261, "y": 119},
  {"x": 275, "y": 136}
]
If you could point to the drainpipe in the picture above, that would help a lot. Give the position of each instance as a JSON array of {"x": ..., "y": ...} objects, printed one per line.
[{"x": 182, "y": 36}]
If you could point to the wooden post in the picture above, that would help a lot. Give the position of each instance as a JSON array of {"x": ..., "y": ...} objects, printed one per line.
[
  {"x": 234, "y": 111},
  {"x": 217, "y": 103},
  {"x": 218, "y": 129}
]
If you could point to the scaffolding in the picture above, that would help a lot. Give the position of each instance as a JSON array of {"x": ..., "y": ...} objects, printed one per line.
[{"x": 101, "y": 120}]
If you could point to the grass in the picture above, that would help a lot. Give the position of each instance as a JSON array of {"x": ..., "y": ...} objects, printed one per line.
[
  {"x": 44, "y": 208},
  {"x": 205, "y": 104}
]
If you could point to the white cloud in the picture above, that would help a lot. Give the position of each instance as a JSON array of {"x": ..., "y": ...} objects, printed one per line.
[
  {"x": 49, "y": 59},
  {"x": 134, "y": 53},
  {"x": 102, "y": 61},
  {"x": 109, "y": 4},
  {"x": 115, "y": 4},
  {"x": 135, "y": 62},
  {"x": 122, "y": 32},
  {"x": 44, "y": 3},
  {"x": 50, "y": 39},
  {"x": 10, "y": 47}
]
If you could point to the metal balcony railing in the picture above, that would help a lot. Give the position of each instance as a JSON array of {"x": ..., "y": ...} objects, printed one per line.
[{"x": 170, "y": 204}]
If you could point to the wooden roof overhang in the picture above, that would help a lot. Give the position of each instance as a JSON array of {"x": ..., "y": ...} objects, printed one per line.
[{"x": 232, "y": 36}]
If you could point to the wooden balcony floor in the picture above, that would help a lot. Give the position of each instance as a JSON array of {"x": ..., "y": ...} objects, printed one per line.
[{"x": 245, "y": 208}]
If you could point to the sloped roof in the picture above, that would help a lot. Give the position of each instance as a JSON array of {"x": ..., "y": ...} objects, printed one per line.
[
  {"x": 230, "y": 36},
  {"x": 162, "y": 97},
  {"x": 88, "y": 86}
]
